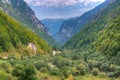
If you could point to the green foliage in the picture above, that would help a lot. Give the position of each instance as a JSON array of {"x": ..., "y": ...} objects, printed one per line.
[
  {"x": 40, "y": 64},
  {"x": 61, "y": 62},
  {"x": 101, "y": 34},
  {"x": 116, "y": 59},
  {"x": 95, "y": 71},
  {"x": 4, "y": 76},
  {"x": 28, "y": 73},
  {"x": 4, "y": 41},
  {"x": 79, "y": 62},
  {"x": 66, "y": 72},
  {"x": 105, "y": 67},
  {"x": 24, "y": 72},
  {"x": 47, "y": 69},
  {"x": 6, "y": 66},
  {"x": 12, "y": 33},
  {"x": 17, "y": 70},
  {"x": 44, "y": 70},
  {"x": 55, "y": 71},
  {"x": 1, "y": 49},
  {"x": 24, "y": 14},
  {"x": 82, "y": 69}
]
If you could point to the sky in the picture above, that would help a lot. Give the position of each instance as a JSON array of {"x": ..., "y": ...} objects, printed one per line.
[{"x": 61, "y": 8}]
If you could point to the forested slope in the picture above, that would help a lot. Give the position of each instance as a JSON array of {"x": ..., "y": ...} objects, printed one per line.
[
  {"x": 14, "y": 37},
  {"x": 101, "y": 33}
]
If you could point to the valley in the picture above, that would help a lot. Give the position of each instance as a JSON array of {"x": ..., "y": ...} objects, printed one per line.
[{"x": 86, "y": 47}]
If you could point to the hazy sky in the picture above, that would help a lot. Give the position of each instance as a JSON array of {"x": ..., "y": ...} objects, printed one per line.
[{"x": 61, "y": 8}]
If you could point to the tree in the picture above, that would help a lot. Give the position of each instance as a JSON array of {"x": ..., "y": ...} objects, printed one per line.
[
  {"x": 28, "y": 73},
  {"x": 24, "y": 72}
]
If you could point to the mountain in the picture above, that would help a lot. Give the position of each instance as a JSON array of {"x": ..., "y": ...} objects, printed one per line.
[
  {"x": 20, "y": 10},
  {"x": 70, "y": 27},
  {"x": 102, "y": 32},
  {"x": 16, "y": 38},
  {"x": 53, "y": 25},
  {"x": 61, "y": 9}
]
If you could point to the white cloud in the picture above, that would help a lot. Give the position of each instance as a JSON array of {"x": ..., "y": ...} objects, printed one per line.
[
  {"x": 57, "y": 3},
  {"x": 28, "y": 1}
]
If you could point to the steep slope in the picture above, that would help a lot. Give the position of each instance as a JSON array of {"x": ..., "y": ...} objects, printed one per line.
[
  {"x": 74, "y": 25},
  {"x": 14, "y": 38},
  {"x": 102, "y": 32},
  {"x": 19, "y": 10}
]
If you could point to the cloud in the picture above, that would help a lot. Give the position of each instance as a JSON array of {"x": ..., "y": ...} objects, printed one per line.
[
  {"x": 58, "y": 3},
  {"x": 28, "y": 1},
  {"x": 61, "y": 8}
]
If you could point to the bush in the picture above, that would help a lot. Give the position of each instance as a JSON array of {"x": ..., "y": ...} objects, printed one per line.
[
  {"x": 66, "y": 72},
  {"x": 3, "y": 75},
  {"x": 105, "y": 67},
  {"x": 112, "y": 67},
  {"x": 82, "y": 69},
  {"x": 117, "y": 73},
  {"x": 95, "y": 71},
  {"x": 43, "y": 69},
  {"x": 102, "y": 75},
  {"x": 5, "y": 66},
  {"x": 17, "y": 70},
  {"x": 54, "y": 71},
  {"x": 61, "y": 62},
  {"x": 74, "y": 71},
  {"x": 24, "y": 72},
  {"x": 94, "y": 65},
  {"x": 28, "y": 73},
  {"x": 40, "y": 64}
]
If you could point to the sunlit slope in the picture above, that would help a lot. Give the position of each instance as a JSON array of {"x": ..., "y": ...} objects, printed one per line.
[{"x": 14, "y": 35}]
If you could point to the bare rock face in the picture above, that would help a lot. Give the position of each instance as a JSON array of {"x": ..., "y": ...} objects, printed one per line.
[
  {"x": 33, "y": 47},
  {"x": 21, "y": 11}
]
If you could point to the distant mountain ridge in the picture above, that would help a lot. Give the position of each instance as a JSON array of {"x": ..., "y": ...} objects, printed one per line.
[
  {"x": 53, "y": 25},
  {"x": 74, "y": 25},
  {"x": 21, "y": 11}
]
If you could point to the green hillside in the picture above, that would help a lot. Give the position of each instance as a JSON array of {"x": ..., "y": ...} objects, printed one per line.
[
  {"x": 101, "y": 33},
  {"x": 25, "y": 15},
  {"x": 14, "y": 38}
]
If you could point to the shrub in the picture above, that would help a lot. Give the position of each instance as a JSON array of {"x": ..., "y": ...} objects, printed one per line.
[
  {"x": 94, "y": 65},
  {"x": 117, "y": 73},
  {"x": 17, "y": 70},
  {"x": 43, "y": 69},
  {"x": 61, "y": 62},
  {"x": 105, "y": 67},
  {"x": 6, "y": 66},
  {"x": 112, "y": 67},
  {"x": 40, "y": 64},
  {"x": 82, "y": 69},
  {"x": 54, "y": 71},
  {"x": 3, "y": 75},
  {"x": 95, "y": 71},
  {"x": 27, "y": 73},
  {"x": 74, "y": 71},
  {"x": 66, "y": 72},
  {"x": 102, "y": 75}
]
